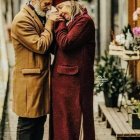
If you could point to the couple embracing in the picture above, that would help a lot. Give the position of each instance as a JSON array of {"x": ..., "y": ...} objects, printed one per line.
[{"x": 63, "y": 90}]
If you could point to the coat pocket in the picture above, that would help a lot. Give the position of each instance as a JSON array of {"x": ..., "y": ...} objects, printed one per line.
[
  {"x": 67, "y": 70},
  {"x": 31, "y": 71}
]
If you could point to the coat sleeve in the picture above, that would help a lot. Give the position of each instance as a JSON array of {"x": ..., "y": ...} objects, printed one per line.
[
  {"x": 27, "y": 35},
  {"x": 68, "y": 40}
]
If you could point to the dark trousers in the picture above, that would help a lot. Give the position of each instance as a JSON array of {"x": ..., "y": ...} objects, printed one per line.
[{"x": 30, "y": 128}]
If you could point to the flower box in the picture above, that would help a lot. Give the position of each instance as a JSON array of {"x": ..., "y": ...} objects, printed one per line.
[
  {"x": 115, "y": 50},
  {"x": 133, "y": 107},
  {"x": 130, "y": 55}
]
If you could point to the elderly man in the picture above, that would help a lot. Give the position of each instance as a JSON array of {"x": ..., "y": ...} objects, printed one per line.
[{"x": 32, "y": 37}]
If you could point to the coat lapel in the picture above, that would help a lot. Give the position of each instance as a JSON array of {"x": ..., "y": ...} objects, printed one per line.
[{"x": 36, "y": 18}]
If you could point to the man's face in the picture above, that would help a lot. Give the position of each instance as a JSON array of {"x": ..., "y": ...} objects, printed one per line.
[
  {"x": 42, "y": 6},
  {"x": 45, "y": 5}
]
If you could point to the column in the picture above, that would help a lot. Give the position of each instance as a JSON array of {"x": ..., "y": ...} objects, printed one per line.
[{"x": 105, "y": 24}]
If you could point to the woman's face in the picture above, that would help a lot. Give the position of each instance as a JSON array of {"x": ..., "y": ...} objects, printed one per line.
[{"x": 64, "y": 10}]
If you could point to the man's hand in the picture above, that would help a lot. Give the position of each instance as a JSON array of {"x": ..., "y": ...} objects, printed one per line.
[{"x": 54, "y": 16}]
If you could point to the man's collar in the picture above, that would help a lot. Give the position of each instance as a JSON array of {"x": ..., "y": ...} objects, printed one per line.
[
  {"x": 30, "y": 5},
  {"x": 34, "y": 15}
]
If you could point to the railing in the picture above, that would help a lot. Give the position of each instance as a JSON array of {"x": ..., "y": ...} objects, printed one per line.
[{"x": 4, "y": 71}]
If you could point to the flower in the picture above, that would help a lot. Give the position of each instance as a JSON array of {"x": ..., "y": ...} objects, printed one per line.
[
  {"x": 129, "y": 39},
  {"x": 120, "y": 39},
  {"x": 136, "y": 105},
  {"x": 136, "y": 14},
  {"x": 133, "y": 106},
  {"x": 138, "y": 10},
  {"x": 132, "y": 99},
  {"x": 136, "y": 31}
]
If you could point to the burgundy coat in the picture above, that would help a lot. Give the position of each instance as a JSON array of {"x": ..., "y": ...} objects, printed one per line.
[{"x": 72, "y": 79}]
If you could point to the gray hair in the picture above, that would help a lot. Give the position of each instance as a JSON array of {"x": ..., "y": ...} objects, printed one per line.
[{"x": 76, "y": 8}]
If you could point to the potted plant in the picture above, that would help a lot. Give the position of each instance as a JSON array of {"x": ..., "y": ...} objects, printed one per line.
[
  {"x": 111, "y": 80},
  {"x": 135, "y": 114},
  {"x": 135, "y": 91},
  {"x": 133, "y": 106}
]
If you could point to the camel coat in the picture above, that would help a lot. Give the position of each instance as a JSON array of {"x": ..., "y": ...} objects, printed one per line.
[{"x": 31, "y": 86}]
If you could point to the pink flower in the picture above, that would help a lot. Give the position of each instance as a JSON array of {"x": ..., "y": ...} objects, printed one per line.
[
  {"x": 136, "y": 31},
  {"x": 138, "y": 10},
  {"x": 135, "y": 16}
]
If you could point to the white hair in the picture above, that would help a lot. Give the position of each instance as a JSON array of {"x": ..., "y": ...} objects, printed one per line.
[
  {"x": 38, "y": 9},
  {"x": 76, "y": 8}
]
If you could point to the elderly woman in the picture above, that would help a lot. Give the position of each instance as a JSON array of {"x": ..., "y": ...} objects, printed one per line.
[{"x": 72, "y": 74}]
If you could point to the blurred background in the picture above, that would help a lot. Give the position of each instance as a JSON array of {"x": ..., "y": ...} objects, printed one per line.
[{"x": 110, "y": 16}]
